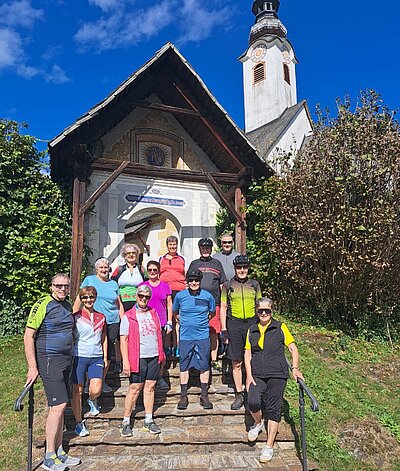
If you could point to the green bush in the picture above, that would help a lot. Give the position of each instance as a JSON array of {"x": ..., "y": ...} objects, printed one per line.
[{"x": 35, "y": 226}]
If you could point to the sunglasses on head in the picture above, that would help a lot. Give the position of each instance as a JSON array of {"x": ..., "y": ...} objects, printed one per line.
[
  {"x": 61, "y": 286},
  {"x": 264, "y": 311},
  {"x": 89, "y": 296},
  {"x": 143, "y": 296}
]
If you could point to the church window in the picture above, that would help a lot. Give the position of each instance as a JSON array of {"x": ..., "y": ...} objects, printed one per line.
[
  {"x": 259, "y": 72},
  {"x": 286, "y": 73}
]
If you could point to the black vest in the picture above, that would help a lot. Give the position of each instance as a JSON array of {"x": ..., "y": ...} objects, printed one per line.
[{"x": 269, "y": 361}]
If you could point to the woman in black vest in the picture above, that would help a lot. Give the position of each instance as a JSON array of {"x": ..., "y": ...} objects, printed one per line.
[{"x": 267, "y": 372}]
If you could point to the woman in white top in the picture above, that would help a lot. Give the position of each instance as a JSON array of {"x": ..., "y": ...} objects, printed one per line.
[{"x": 129, "y": 275}]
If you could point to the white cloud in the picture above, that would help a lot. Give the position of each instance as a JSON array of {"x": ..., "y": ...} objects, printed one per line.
[
  {"x": 57, "y": 75},
  {"x": 124, "y": 26},
  {"x": 198, "y": 22},
  {"x": 11, "y": 51},
  {"x": 19, "y": 13},
  {"x": 15, "y": 16},
  {"x": 106, "y": 5}
]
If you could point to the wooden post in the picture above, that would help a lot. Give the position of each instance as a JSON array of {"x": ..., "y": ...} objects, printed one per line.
[
  {"x": 240, "y": 228},
  {"x": 77, "y": 235}
]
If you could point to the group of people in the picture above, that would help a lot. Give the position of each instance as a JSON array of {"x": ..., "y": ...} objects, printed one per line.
[{"x": 140, "y": 317}]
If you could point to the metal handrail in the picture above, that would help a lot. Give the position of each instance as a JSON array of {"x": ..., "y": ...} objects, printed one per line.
[
  {"x": 303, "y": 388},
  {"x": 18, "y": 406}
]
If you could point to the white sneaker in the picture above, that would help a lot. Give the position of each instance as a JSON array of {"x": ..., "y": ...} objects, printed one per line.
[
  {"x": 255, "y": 430},
  {"x": 106, "y": 388},
  {"x": 266, "y": 454}
]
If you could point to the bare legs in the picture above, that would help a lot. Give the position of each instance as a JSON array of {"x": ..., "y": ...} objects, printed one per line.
[
  {"x": 237, "y": 375},
  {"x": 55, "y": 427},
  {"x": 214, "y": 345},
  {"x": 133, "y": 394},
  {"x": 77, "y": 389}
]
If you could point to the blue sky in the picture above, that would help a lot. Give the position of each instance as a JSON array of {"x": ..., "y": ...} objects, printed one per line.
[{"x": 59, "y": 58}]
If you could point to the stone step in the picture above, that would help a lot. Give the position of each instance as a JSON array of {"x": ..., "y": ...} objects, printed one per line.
[
  {"x": 169, "y": 418},
  {"x": 186, "y": 457}
]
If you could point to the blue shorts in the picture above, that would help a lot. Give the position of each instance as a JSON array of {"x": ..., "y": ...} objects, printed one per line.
[
  {"x": 194, "y": 354},
  {"x": 94, "y": 367}
]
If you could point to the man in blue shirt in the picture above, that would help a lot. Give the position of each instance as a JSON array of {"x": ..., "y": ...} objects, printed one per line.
[{"x": 194, "y": 307}]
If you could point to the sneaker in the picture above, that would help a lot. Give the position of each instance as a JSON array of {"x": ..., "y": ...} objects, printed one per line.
[
  {"x": 266, "y": 454},
  {"x": 205, "y": 402},
  {"x": 117, "y": 367},
  {"x": 216, "y": 366},
  {"x": 68, "y": 460},
  {"x": 94, "y": 407},
  {"x": 151, "y": 427},
  {"x": 106, "y": 388},
  {"x": 183, "y": 403},
  {"x": 238, "y": 402},
  {"x": 162, "y": 384},
  {"x": 126, "y": 430},
  {"x": 53, "y": 463},
  {"x": 81, "y": 429},
  {"x": 254, "y": 431}
]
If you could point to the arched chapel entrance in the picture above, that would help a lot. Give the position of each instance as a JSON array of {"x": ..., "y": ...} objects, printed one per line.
[{"x": 149, "y": 228}]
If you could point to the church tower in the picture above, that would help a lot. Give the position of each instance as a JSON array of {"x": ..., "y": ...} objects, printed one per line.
[{"x": 269, "y": 64}]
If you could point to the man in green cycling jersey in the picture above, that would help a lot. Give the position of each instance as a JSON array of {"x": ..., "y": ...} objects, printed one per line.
[{"x": 238, "y": 301}]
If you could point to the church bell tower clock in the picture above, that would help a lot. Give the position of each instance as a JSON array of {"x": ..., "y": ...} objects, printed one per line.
[{"x": 269, "y": 63}]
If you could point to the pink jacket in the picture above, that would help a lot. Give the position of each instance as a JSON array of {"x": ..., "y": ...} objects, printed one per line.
[{"x": 134, "y": 340}]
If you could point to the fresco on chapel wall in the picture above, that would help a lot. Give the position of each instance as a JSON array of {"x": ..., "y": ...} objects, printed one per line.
[{"x": 154, "y": 140}]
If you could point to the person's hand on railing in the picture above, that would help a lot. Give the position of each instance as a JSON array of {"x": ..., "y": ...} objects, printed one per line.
[
  {"x": 297, "y": 374},
  {"x": 249, "y": 380},
  {"x": 31, "y": 375}
]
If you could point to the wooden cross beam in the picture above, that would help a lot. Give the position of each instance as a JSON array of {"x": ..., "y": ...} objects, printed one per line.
[{"x": 167, "y": 108}]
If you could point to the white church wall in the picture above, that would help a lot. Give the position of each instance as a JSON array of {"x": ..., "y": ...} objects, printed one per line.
[
  {"x": 265, "y": 101},
  {"x": 192, "y": 206},
  {"x": 291, "y": 140}
]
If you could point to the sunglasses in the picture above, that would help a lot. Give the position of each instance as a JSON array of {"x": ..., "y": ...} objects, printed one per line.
[
  {"x": 226, "y": 242},
  {"x": 196, "y": 280},
  {"x": 90, "y": 296},
  {"x": 130, "y": 253},
  {"x": 57, "y": 286},
  {"x": 152, "y": 270},
  {"x": 264, "y": 312},
  {"x": 143, "y": 296}
]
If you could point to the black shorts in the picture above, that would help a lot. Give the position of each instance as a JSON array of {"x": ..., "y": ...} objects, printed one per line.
[
  {"x": 149, "y": 369},
  {"x": 272, "y": 390},
  {"x": 55, "y": 371},
  {"x": 237, "y": 332},
  {"x": 112, "y": 337}
]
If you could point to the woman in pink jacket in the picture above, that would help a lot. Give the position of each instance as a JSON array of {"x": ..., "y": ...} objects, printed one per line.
[{"x": 142, "y": 355}]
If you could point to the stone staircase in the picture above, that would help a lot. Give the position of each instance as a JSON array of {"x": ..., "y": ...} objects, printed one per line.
[{"x": 194, "y": 439}]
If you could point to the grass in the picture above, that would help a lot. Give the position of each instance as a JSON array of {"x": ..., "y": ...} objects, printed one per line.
[
  {"x": 357, "y": 386},
  {"x": 13, "y": 430},
  {"x": 355, "y": 382}
]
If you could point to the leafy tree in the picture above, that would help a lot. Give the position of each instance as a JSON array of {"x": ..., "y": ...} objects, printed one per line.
[
  {"x": 325, "y": 235},
  {"x": 35, "y": 227}
]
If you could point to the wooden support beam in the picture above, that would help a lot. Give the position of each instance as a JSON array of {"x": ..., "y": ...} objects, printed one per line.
[
  {"x": 167, "y": 108},
  {"x": 209, "y": 126},
  {"x": 240, "y": 229},
  {"x": 103, "y": 187},
  {"x": 228, "y": 204},
  {"x": 77, "y": 235},
  {"x": 148, "y": 171}
]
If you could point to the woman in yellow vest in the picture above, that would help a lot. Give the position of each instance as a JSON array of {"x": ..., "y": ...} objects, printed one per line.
[{"x": 267, "y": 372}]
